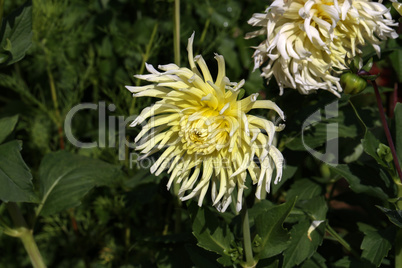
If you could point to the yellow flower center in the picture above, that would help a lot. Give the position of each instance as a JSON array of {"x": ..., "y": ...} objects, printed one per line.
[{"x": 204, "y": 135}]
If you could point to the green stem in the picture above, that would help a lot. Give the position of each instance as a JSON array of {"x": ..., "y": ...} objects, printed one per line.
[
  {"x": 398, "y": 249},
  {"x": 342, "y": 241},
  {"x": 176, "y": 32},
  {"x": 205, "y": 30},
  {"x": 54, "y": 100},
  {"x": 25, "y": 234},
  {"x": 358, "y": 117},
  {"x": 247, "y": 237},
  {"x": 145, "y": 57},
  {"x": 1, "y": 10},
  {"x": 386, "y": 129}
]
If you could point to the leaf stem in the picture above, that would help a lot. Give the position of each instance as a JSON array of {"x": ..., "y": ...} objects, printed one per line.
[
  {"x": 386, "y": 129},
  {"x": 247, "y": 237},
  {"x": 342, "y": 241},
  {"x": 176, "y": 32},
  {"x": 25, "y": 234},
  {"x": 358, "y": 116}
]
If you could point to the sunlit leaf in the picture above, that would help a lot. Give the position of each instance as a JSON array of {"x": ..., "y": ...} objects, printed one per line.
[
  {"x": 16, "y": 33},
  {"x": 65, "y": 178},
  {"x": 274, "y": 238}
]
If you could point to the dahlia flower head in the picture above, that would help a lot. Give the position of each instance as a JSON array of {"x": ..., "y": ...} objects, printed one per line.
[
  {"x": 310, "y": 41},
  {"x": 205, "y": 135}
]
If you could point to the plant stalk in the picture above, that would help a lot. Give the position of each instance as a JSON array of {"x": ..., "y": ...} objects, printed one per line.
[
  {"x": 25, "y": 234},
  {"x": 145, "y": 57},
  {"x": 176, "y": 32},
  {"x": 386, "y": 129},
  {"x": 398, "y": 249},
  {"x": 247, "y": 237},
  {"x": 342, "y": 241},
  {"x": 54, "y": 100}
]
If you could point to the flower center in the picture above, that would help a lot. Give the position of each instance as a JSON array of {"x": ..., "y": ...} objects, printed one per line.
[{"x": 204, "y": 135}]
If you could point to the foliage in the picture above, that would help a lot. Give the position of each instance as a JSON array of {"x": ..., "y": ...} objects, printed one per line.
[{"x": 100, "y": 207}]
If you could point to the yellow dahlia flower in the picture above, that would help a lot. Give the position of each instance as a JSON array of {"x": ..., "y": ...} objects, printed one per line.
[
  {"x": 209, "y": 140},
  {"x": 308, "y": 40}
]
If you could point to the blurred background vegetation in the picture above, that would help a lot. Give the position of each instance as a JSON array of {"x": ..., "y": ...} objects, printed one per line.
[{"x": 86, "y": 52}]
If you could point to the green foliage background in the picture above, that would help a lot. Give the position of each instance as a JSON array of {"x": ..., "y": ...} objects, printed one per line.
[{"x": 90, "y": 209}]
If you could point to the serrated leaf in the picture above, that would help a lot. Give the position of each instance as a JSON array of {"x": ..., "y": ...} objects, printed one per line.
[
  {"x": 65, "y": 178},
  {"x": 301, "y": 247},
  {"x": 211, "y": 234},
  {"x": 362, "y": 179},
  {"x": 304, "y": 189},
  {"x": 16, "y": 32},
  {"x": 395, "y": 216},
  {"x": 376, "y": 243},
  {"x": 274, "y": 238},
  {"x": 15, "y": 178},
  {"x": 7, "y": 125}
]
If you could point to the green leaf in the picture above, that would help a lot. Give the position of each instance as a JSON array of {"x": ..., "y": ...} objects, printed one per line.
[
  {"x": 300, "y": 247},
  {"x": 274, "y": 238},
  {"x": 211, "y": 234},
  {"x": 363, "y": 179},
  {"x": 16, "y": 32},
  {"x": 368, "y": 65},
  {"x": 315, "y": 207},
  {"x": 395, "y": 216},
  {"x": 398, "y": 136},
  {"x": 376, "y": 243},
  {"x": 304, "y": 189},
  {"x": 315, "y": 261},
  {"x": 371, "y": 146},
  {"x": 65, "y": 178},
  {"x": 15, "y": 178},
  {"x": 7, "y": 125}
]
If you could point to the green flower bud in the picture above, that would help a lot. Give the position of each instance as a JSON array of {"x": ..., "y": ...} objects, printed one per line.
[
  {"x": 398, "y": 7},
  {"x": 352, "y": 83}
]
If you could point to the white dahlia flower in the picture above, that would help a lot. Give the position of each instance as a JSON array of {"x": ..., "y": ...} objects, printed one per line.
[
  {"x": 308, "y": 41},
  {"x": 207, "y": 138}
]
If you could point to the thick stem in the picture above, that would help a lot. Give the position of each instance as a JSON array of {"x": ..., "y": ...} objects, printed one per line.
[
  {"x": 398, "y": 249},
  {"x": 386, "y": 129},
  {"x": 32, "y": 249},
  {"x": 25, "y": 235},
  {"x": 176, "y": 32},
  {"x": 247, "y": 237}
]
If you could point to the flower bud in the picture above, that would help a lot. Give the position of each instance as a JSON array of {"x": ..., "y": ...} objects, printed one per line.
[
  {"x": 352, "y": 83},
  {"x": 398, "y": 7}
]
